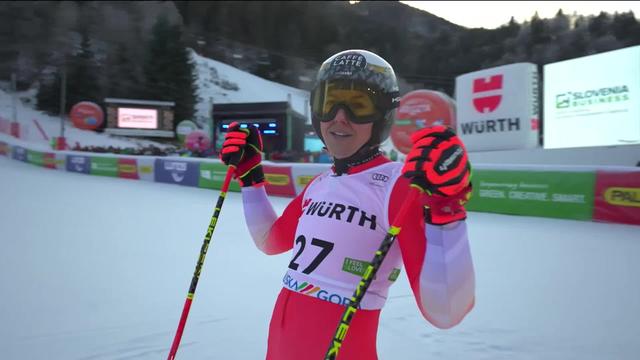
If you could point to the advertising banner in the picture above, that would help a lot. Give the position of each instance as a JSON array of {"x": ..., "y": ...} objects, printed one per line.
[
  {"x": 594, "y": 99},
  {"x": 617, "y": 197},
  {"x": 304, "y": 173},
  {"x": 104, "y": 166},
  {"x": 183, "y": 129},
  {"x": 556, "y": 194},
  {"x": 176, "y": 172},
  {"x": 127, "y": 168},
  {"x": 19, "y": 153},
  {"x": 212, "y": 176},
  {"x": 60, "y": 160},
  {"x": 279, "y": 180},
  {"x": 137, "y": 118},
  {"x": 4, "y": 148},
  {"x": 419, "y": 109},
  {"x": 35, "y": 157},
  {"x": 49, "y": 160},
  {"x": 78, "y": 163},
  {"x": 86, "y": 115},
  {"x": 497, "y": 108},
  {"x": 145, "y": 168}
]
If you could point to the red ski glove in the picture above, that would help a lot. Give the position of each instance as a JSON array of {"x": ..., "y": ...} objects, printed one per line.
[
  {"x": 242, "y": 148},
  {"x": 438, "y": 165}
]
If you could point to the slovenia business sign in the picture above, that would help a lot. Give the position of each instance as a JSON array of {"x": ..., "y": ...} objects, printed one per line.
[
  {"x": 497, "y": 108},
  {"x": 593, "y": 100}
]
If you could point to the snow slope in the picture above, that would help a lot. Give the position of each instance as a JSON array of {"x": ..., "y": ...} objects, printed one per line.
[
  {"x": 98, "y": 268},
  {"x": 217, "y": 83}
]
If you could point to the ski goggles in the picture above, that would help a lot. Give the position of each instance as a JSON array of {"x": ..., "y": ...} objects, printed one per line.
[{"x": 363, "y": 103}]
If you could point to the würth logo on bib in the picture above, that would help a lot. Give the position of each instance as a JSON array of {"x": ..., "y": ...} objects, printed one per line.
[
  {"x": 305, "y": 204},
  {"x": 487, "y": 93},
  {"x": 340, "y": 212}
]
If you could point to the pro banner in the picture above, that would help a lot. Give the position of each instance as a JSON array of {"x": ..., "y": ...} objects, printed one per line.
[
  {"x": 176, "y": 172},
  {"x": 556, "y": 194},
  {"x": 49, "y": 160},
  {"x": 279, "y": 180},
  {"x": 212, "y": 176},
  {"x": 128, "y": 168},
  {"x": 617, "y": 197}
]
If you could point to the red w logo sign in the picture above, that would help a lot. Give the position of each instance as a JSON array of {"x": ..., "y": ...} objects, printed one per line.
[{"x": 487, "y": 103}]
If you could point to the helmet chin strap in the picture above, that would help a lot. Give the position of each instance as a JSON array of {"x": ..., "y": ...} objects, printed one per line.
[{"x": 363, "y": 155}]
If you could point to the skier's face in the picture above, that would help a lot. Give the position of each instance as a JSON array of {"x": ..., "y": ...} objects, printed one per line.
[{"x": 343, "y": 137}]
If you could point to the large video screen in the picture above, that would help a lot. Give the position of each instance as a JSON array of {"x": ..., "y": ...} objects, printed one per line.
[
  {"x": 137, "y": 118},
  {"x": 593, "y": 100},
  {"x": 266, "y": 126}
]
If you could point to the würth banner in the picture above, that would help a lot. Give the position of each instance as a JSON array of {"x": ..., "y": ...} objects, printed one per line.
[{"x": 497, "y": 108}]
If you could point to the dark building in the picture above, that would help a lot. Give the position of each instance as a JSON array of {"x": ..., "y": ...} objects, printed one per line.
[{"x": 282, "y": 128}]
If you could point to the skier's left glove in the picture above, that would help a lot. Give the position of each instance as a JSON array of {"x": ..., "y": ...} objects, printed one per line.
[
  {"x": 242, "y": 148},
  {"x": 439, "y": 166}
]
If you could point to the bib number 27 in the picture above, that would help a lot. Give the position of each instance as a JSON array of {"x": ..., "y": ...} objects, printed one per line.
[{"x": 325, "y": 247}]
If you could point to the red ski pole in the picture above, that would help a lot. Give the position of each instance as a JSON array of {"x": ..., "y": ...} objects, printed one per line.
[{"x": 203, "y": 254}]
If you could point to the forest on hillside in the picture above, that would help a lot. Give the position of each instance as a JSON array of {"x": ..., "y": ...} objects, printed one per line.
[{"x": 139, "y": 49}]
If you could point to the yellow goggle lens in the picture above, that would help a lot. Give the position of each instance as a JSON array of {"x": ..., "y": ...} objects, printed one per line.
[{"x": 358, "y": 101}]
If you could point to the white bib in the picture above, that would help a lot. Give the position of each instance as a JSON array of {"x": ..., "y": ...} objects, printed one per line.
[{"x": 343, "y": 222}]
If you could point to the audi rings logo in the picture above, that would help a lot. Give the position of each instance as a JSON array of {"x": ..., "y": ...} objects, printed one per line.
[{"x": 379, "y": 177}]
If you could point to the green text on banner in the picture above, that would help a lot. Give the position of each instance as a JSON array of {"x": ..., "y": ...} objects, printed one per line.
[
  {"x": 556, "y": 194},
  {"x": 212, "y": 176},
  {"x": 104, "y": 166}
]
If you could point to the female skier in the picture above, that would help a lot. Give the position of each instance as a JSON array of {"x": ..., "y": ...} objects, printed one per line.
[{"x": 337, "y": 223}]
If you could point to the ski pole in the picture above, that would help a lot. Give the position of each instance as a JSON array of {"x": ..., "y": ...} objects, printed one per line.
[
  {"x": 203, "y": 253},
  {"x": 369, "y": 274}
]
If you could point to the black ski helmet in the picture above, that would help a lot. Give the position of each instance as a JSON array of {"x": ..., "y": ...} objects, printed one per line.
[{"x": 366, "y": 68}]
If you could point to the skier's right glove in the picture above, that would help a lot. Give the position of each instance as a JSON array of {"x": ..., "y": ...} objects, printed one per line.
[
  {"x": 438, "y": 165},
  {"x": 242, "y": 148}
]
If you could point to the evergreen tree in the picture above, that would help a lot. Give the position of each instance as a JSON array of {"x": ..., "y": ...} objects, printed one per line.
[
  {"x": 122, "y": 80},
  {"x": 538, "y": 30},
  {"x": 82, "y": 75},
  {"x": 625, "y": 28},
  {"x": 512, "y": 29},
  {"x": 169, "y": 71},
  {"x": 599, "y": 25},
  {"x": 560, "y": 23}
]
